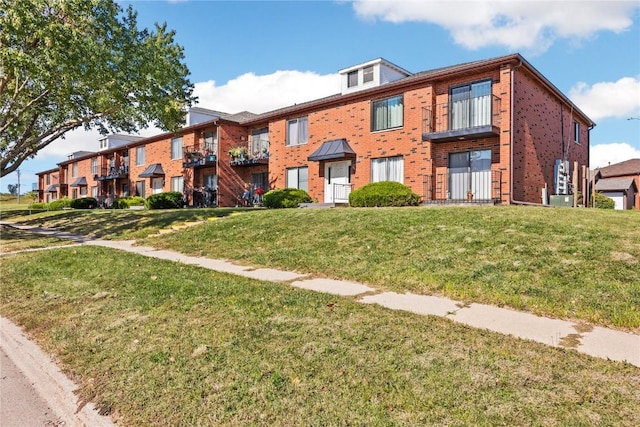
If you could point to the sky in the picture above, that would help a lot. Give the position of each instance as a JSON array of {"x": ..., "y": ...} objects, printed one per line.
[{"x": 261, "y": 55}]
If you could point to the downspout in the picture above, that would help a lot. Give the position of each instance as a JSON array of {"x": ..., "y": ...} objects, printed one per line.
[{"x": 511, "y": 199}]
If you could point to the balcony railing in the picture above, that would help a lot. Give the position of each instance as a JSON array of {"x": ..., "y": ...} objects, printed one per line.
[
  {"x": 477, "y": 117},
  {"x": 254, "y": 152},
  {"x": 112, "y": 172},
  {"x": 456, "y": 187},
  {"x": 199, "y": 155}
]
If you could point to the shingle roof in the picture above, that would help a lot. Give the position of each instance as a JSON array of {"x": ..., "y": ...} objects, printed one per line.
[
  {"x": 628, "y": 167},
  {"x": 614, "y": 184}
]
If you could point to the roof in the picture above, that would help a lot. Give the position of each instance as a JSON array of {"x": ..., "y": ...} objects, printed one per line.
[
  {"x": 153, "y": 171},
  {"x": 614, "y": 184},
  {"x": 628, "y": 167},
  {"x": 80, "y": 182},
  {"x": 52, "y": 188},
  {"x": 335, "y": 149},
  {"x": 420, "y": 78}
]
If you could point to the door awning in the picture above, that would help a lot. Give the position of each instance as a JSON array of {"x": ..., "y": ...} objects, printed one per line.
[
  {"x": 52, "y": 188},
  {"x": 334, "y": 149},
  {"x": 153, "y": 171},
  {"x": 80, "y": 182}
]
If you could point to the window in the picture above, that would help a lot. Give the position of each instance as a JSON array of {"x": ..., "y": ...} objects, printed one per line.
[
  {"x": 576, "y": 132},
  {"x": 470, "y": 105},
  {"x": 83, "y": 191},
  {"x": 74, "y": 170},
  {"x": 352, "y": 79},
  {"x": 367, "y": 74},
  {"x": 140, "y": 154},
  {"x": 94, "y": 166},
  {"x": 210, "y": 181},
  {"x": 104, "y": 143},
  {"x": 298, "y": 178},
  {"x": 176, "y": 149},
  {"x": 139, "y": 189},
  {"x": 387, "y": 169},
  {"x": 211, "y": 142},
  {"x": 47, "y": 179},
  {"x": 94, "y": 192},
  {"x": 125, "y": 190},
  {"x": 177, "y": 183},
  {"x": 260, "y": 142},
  {"x": 387, "y": 113},
  {"x": 297, "y": 131},
  {"x": 74, "y": 193}
]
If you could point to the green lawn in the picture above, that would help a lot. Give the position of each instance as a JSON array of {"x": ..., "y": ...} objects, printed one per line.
[
  {"x": 158, "y": 343},
  {"x": 581, "y": 264}
]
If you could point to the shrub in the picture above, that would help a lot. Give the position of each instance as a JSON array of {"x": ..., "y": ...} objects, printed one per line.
[
  {"x": 127, "y": 202},
  {"x": 285, "y": 198},
  {"x": 169, "y": 200},
  {"x": 84, "y": 203},
  {"x": 601, "y": 201},
  {"x": 385, "y": 193},
  {"x": 39, "y": 206},
  {"x": 58, "y": 205}
]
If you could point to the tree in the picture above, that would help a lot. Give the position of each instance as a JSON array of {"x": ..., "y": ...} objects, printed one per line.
[
  {"x": 66, "y": 64},
  {"x": 13, "y": 189}
]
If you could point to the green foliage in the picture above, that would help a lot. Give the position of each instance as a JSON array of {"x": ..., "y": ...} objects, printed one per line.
[
  {"x": 66, "y": 64},
  {"x": 128, "y": 201},
  {"x": 13, "y": 189},
  {"x": 84, "y": 203},
  {"x": 58, "y": 205},
  {"x": 385, "y": 193},
  {"x": 285, "y": 198},
  {"x": 39, "y": 206},
  {"x": 169, "y": 200},
  {"x": 601, "y": 201}
]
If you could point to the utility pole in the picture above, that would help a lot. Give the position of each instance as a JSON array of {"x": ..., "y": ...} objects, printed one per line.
[{"x": 18, "y": 172}]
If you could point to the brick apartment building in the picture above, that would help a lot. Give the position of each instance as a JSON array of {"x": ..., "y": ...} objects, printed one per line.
[{"x": 493, "y": 131}]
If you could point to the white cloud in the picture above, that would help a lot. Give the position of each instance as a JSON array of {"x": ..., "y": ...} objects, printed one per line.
[
  {"x": 531, "y": 25},
  {"x": 619, "y": 99},
  {"x": 602, "y": 155},
  {"x": 258, "y": 94}
]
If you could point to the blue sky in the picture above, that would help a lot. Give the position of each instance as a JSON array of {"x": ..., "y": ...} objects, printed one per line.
[{"x": 262, "y": 55}]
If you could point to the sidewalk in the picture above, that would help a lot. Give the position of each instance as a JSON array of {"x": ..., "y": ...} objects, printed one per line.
[{"x": 595, "y": 341}]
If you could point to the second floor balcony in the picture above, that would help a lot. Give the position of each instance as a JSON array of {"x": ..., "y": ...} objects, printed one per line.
[
  {"x": 254, "y": 152},
  {"x": 112, "y": 172},
  {"x": 471, "y": 118},
  {"x": 199, "y": 155}
]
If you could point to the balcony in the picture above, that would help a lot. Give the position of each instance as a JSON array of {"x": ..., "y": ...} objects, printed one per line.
[
  {"x": 112, "y": 172},
  {"x": 463, "y": 187},
  {"x": 256, "y": 152},
  {"x": 466, "y": 119},
  {"x": 196, "y": 156}
]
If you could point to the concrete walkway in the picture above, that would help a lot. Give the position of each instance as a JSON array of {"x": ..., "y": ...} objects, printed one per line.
[{"x": 595, "y": 341}]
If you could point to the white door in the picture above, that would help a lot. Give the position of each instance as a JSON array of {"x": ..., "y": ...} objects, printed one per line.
[
  {"x": 156, "y": 185},
  {"x": 337, "y": 185},
  {"x": 618, "y": 199}
]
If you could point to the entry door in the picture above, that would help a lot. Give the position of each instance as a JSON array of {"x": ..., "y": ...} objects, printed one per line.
[
  {"x": 156, "y": 185},
  {"x": 337, "y": 182},
  {"x": 470, "y": 171}
]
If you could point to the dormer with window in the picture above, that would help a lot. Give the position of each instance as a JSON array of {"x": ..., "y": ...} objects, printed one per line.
[
  {"x": 370, "y": 74},
  {"x": 116, "y": 140}
]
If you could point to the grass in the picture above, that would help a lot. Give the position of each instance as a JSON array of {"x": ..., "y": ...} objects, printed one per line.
[
  {"x": 12, "y": 240},
  {"x": 158, "y": 343},
  {"x": 580, "y": 264}
]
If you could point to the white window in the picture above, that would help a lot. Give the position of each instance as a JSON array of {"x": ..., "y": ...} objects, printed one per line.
[
  {"x": 387, "y": 113},
  {"x": 260, "y": 142},
  {"x": 177, "y": 183},
  {"x": 176, "y": 149},
  {"x": 83, "y": 191},
  {"x": 94, "y": 192},
  {"x": 298, "y": 178},
  {"x": 297, "y": 131},
  {"x": 352, "y": 79},
  {"x": 387, "y": 169},
  {"x": 576, "y": 132},
  {"x": 211, "y": 142},
  {"x": 470, "y": 105},
  {"x": 367, "y": 74},
  {"x": 210, "y": 182},
  {"x": 139, "y": 188},
  {"x": 94, "y": 166},
  {"x": 74, "y": 170},
  {"x": 140, "y": 154}
]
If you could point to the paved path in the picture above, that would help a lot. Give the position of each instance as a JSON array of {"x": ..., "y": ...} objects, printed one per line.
[{"x": 595, "y": 341}]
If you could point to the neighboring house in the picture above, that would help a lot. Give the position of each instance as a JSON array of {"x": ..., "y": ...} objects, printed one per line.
[
  {"x": 621, "y": 182},
  {"x": 493, "y": 131}
]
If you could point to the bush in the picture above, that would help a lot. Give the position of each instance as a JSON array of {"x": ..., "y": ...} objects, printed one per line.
[
  {"x": 385, "y": 193},
  {"x": 601, "y": 201},
  {"x": 39, "y": 206},
  {"x": 169, "y": 200},
  {"x": 58, "y": 205},
  {"x": 84, "y": 203},
  {"x": 127, "y": 202},
  {"x": 285, "y": 198}
]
